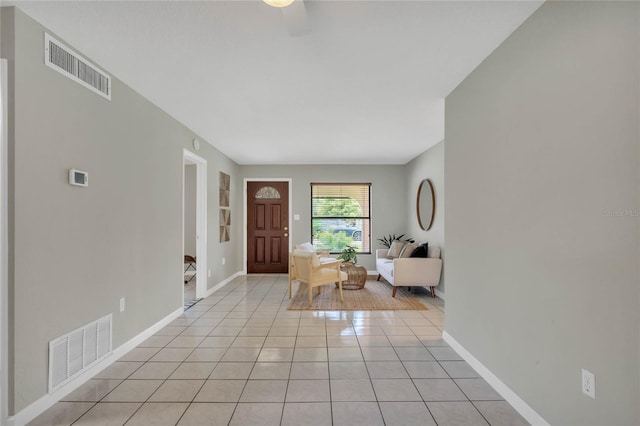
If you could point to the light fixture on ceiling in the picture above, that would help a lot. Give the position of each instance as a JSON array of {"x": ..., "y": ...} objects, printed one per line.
[{"x": 278, "y": 3}]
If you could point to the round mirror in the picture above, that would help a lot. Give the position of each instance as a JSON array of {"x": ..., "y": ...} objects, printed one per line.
[{"x": 426, "y": 204}]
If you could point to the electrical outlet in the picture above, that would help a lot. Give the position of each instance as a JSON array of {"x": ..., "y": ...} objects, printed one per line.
[
  {"x": 224, "y": 260},
  {"x": 209, "y": 273},
  {"x": 122, "y": 304},
  {"x": 588, "y": 383}
]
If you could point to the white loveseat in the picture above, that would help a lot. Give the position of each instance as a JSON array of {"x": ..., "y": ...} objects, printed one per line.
[{"x": 410, "y": 271}]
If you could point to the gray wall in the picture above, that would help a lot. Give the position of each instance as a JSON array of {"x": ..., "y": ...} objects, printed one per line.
[
  {"x": 387, "y": 197},
  {"x": 541, "y": 150},
  {"x": 190, "y": 209},
  {"x": 76, "y": 251},
  {"x": 428, "y": 165}
]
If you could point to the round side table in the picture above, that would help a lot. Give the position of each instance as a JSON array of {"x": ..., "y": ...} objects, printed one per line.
[{"x": 356, "y": 276}]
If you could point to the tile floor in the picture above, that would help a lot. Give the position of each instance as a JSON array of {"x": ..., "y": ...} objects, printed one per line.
[{"x": 239, "y": 357}]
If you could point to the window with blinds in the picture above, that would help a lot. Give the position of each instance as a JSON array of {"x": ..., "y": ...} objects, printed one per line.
[{"x": 341, "y": 216}]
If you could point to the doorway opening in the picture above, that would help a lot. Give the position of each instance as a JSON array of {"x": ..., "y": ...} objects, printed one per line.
[{"x": 194, "y": 228}]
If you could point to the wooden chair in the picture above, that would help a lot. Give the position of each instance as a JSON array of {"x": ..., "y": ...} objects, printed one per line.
[{"x": 306, "y": 268}]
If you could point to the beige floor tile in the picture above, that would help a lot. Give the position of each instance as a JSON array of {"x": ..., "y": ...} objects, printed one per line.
[
  {"x": 283, "y": 331},
  {"x": 308, "y": 391},
  {"x": 456, "y": 413},
  {"x": 352, "y": 390},
  {"x": 181, "y": 322},
  {"x": 280, "y": 342},
  {"x": 220, "y": 391},
  {"x": 395, "y": 390},
  {"x": 108, "y": 413},
  {"x": 386, "y": 370},
  {"x": 177, "y": 391},
  {"x": 264, "y": 391},
  {"x": 254, "y": 331},
  {"x": 373, "y": 341},
  {"x": 118, "y": 370},
  {"x": 311, "y": 342},
  {"x": 356, "y": 414},
  {"x": 444, "y": 354},
  {"x": 345, "y": 354},
  {"x": 92, "y": 391},
  {"x": 342, "y": 341},
  {"x": 232, "y": 370},
  {"x": 270, "y": 371},
  {"x": 206, "y": 355},
  {"x": 425, "y": 370},
  {"x": 207, "y": 413},
  {"x": 439, "y": 390},
  {"x": 133, "y": 391},
  {"x": 309, "y": 370},
  {"x": 241, "y": 354},
  {"x": 139, "y": 354},
  {"x": 196, "y": 330},
  {"x": 62, "y": 414},
  {"x": 459, "y": 370},
  {"x": 478, "y": 390},
  {"x": 307, "y": 414},
  {"x": 155, "y": 370},
  {"x": 156, "y": 341},
  {"x": 413, "y": 354},
  {"x": 217, "y": 342},
  {"x": 158, "y": 414},
  {"x": 276, "y": 355},
  {"x": 348, "y": 370},
  {"x": 183, "y": 341},
  {"x": 406, "y": 413},
  {"x": 379, "y": 354},
  {"x": 206, "y": 322},
  {"x": 397, "y": 341},
  {"x": 500, "y": 413},
  {"x": 312, "y": 331},
  {"x": 225, "y": 331},
  {"x": 310, "y": 355},
  {"x": 170, "y": 331},
  {"x": 345, "y": 330},
  {"x": 248, "y": 342},
  {"x": 263, "y": 414},
  {"x": 172, "y": 354},
  {"x": 193, "y": 370}
]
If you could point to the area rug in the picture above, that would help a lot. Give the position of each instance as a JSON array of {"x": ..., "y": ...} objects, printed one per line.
[{"x": 374, "y": 296}]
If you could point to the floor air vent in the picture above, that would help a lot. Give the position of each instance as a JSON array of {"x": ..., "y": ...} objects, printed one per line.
[
  {"x": 73, "y": 353},
  {"x": 64, "y": 60}
]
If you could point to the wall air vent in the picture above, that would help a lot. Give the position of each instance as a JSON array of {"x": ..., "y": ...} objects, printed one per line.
[
  {"x": 75, "y": 352},
  {"x": 67, "y": 62}
]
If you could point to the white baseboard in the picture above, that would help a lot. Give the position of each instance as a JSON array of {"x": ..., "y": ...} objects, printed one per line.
[
  {"x": 36, "y": 408},
  {"x": 510, "y": 396},
  {"x": 439, "y": 294},
  {"x": 223, "y": 283}
]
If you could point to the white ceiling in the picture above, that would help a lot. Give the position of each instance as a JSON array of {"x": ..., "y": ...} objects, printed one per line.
[{"x": 365, "y": 85}]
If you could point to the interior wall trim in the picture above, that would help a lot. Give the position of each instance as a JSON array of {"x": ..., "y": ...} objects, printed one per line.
[
  {"x": 510, "y": 396},
  {"x": 36, "y": 408}
]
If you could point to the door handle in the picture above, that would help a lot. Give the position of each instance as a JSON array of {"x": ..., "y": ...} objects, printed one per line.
[
  {"x": 286, "y": 228},
  {"x": 286, "y": 235}
]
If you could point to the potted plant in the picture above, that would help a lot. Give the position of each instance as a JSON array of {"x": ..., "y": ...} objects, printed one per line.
[
  {"x": 348, "y": 254},
  {"x": 386, "y": 241}
]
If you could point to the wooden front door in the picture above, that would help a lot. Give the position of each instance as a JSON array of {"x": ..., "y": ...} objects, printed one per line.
[{"x": 267, "y": 227}]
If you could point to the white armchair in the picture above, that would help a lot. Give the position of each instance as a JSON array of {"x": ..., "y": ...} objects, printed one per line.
[
  {"x": 306, "y": 268},
  {"x": 410, "y": 271}
]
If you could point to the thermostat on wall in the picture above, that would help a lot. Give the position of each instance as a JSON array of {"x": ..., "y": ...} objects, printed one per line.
[{"x": 78, "y": 177}]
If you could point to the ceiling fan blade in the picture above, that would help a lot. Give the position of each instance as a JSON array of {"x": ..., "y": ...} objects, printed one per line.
[{"x": 296, "y": 18}]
